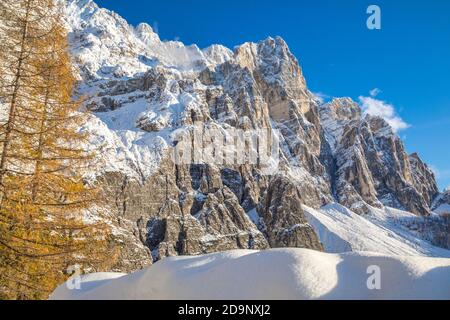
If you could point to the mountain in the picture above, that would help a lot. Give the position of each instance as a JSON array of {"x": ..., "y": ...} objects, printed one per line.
[{"x": 143, "y": 92}]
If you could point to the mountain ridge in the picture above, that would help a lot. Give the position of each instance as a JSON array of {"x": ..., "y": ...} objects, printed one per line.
[{"x": 141, "y": 89}]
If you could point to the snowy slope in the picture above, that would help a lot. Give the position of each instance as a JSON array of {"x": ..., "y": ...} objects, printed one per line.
[
  {"x": 383, "y": 230},
  {"x": 273, "y": 274},
  {"x": 441, "y": 204}
]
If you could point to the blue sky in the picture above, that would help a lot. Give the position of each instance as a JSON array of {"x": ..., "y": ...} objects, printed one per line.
[{"x": 408, "y": 60}]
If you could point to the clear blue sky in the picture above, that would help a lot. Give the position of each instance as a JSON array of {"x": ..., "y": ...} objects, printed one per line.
[{"x": 408, "y": 59}]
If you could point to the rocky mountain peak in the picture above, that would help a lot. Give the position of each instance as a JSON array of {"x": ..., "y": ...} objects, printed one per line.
[
  {"x": 142, "y": 90},
  {"x": 274, "y": 48},
  {"x": 279, "y": 65},
  {"x": 218, "y": 54},
  {"x": 341, "y": 109},
  {"x": 371, "y": 162},
  {"x": 379, "y": 126},
  {"x": 146, "y": 34}
]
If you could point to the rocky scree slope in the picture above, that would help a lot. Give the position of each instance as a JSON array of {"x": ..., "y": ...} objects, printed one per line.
[{"x": 141, "y": 90}]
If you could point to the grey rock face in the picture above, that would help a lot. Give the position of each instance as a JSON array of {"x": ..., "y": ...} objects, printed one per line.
[
  {"x": 283, "y": 217},
  {"x": 182, "y": 211},
  {"x": 423, "y": 178},
  {"x": 372, "y": 166}
]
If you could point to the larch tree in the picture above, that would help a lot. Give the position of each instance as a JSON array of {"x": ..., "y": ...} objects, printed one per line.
[{"x": 44, "y": 198}]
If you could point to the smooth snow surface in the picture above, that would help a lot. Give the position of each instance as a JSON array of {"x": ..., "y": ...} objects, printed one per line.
[
  {"x": 383, "y": 230},
  {"x": 273, "y": 274}
]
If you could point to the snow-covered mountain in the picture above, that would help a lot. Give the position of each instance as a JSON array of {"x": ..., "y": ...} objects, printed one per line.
[
  {"x": 344, "y": 183},
  {"x": 107, "y": 47}
]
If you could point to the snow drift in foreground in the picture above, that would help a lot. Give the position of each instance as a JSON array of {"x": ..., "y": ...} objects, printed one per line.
[{"x": 272, "y": 274}]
